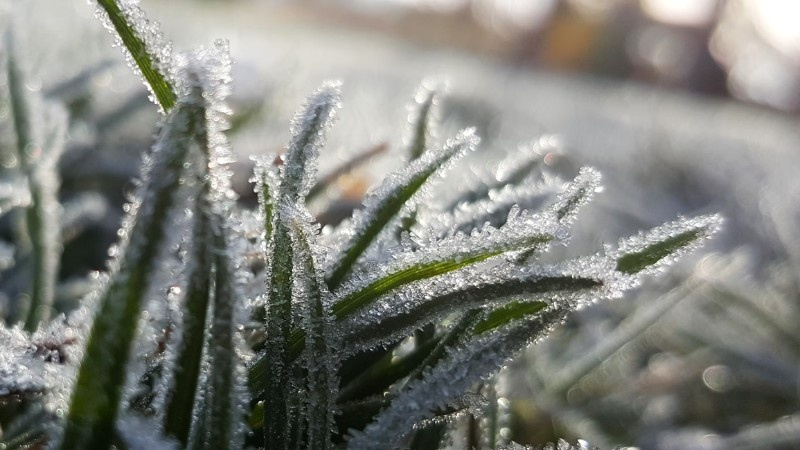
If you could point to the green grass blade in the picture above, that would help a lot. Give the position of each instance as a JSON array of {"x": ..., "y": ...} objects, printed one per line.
[
  {"x": 95, "y": 401},
  {"x": 179, "y": 406},
  {"x": 421, "y": 120},
  {"x": 38, "y": 149},
  {"x": 141, "y": 54},
  {"x": 277, "y": 370},
  {"x": 471, "y": 296},
  {"x": 649, "y": 251},
  {"x": 386, "y": 371},
  {"x": 308, "y": 136},
  {"x": 321, "y": 383},
  {"x": 389, "y": 199},
  {"x": 522, "y": 232},
  {"x": 507, "y": 313},
  {"x": 221, "y": 426}
]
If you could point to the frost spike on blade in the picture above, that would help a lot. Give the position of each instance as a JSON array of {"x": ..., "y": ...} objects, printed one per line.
[
  {"x": 95, "y": 401},
  {"x": 395, "y": 193}
]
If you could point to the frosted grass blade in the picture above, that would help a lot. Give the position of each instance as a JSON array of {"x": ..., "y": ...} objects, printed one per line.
[
  {"x": 522, "y": 232},
  {"x": 421, "y": 119},
  {"x": 369, "y": 331},
  {"x": 266, "y": 181},
  {"x": 507, "y": 313},
  {"x": 321, "y": 382},
  {"x": 96, "y": 397},
  {"x": 278, "y": 359},
  {"x": 389, "y": 369},
  {"x": 223, "y": 423},
  {"x": 178, "y": 410},
  {"x": 388, "y": 200},
  {"x": 308, "y": 136},
  {"x": 650, "y": 251},
  {"x": 577, "y": 194},
  {"x": 146, "y": 51},
  {"x": 449, "y": 380}
]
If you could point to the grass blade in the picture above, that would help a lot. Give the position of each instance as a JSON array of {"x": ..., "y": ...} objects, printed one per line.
[
  {"x": 39, "y": 141},
  {"x": 321, "y": 383},
  {"x": 308, "y": 136},
  {"x": 422, "y": 119},
  {"x": 95, "y": 400},
  {"x": 277, "y": 372},
  {"x": 649, "y": 251},
  {"x": 222, "y": 423},
  {"x": 178, "y": 414},
  {"x": 521, "y": 233},
  {"x": 389, "y": 199},
  {"x": 145, "y": 51}
]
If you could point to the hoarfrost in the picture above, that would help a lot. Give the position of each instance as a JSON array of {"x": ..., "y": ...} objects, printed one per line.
[
  {"x": 309, "y": 287},
  {"x": 522, "y": 232}
]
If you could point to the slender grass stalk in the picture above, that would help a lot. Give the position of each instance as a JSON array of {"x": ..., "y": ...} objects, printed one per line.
[{"x": 40, "y": 225}]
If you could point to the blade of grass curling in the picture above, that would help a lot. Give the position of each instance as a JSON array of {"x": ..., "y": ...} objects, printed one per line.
[
  {"x": 147, "y": 53},
  {"x": 296, "y": 178},
  {"x": 38, "y": 150},
  {"x": 388, "y": 200},
  {"x": 321, "y": 380},
  {"x": 650, "y": 251},
  {"x": 95, "y": 400}
]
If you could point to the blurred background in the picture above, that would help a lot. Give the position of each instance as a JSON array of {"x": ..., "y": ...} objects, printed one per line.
[{"x": 685, "y": 106}]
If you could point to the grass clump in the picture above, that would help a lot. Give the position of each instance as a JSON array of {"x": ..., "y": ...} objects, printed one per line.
[{"x": 374, "y": 336}]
